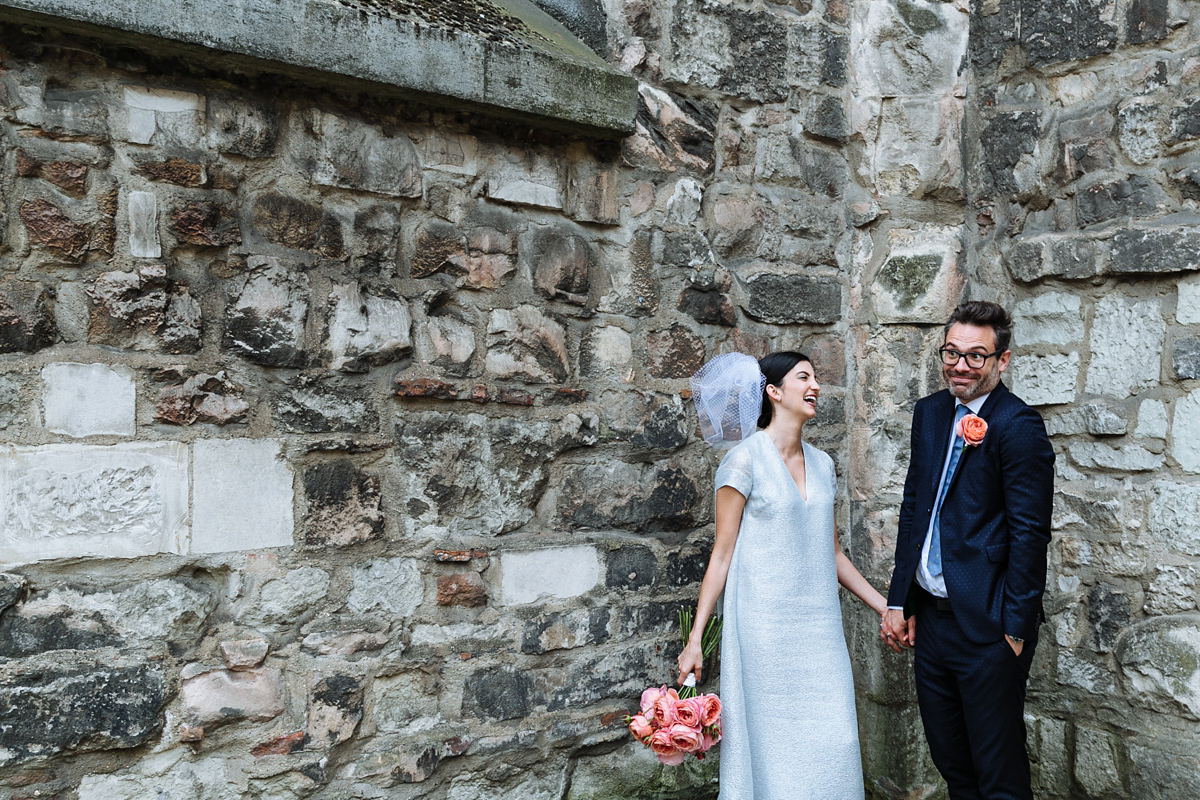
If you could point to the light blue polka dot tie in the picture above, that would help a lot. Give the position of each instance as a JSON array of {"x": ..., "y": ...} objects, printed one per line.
[{"x": 935, "y": 539}]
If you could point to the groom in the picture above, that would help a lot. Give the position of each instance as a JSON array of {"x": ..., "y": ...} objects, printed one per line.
[{"x": 971, "y": 560}]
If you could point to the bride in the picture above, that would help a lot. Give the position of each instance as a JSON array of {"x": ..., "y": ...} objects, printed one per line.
[{"x": 789, "y": 730}]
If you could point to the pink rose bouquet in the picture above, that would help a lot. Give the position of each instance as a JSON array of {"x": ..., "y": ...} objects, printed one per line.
[{"x": 673, "y": 728}]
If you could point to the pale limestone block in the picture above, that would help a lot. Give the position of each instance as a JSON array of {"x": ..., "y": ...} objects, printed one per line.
[
  {"x": 1175, "y": 517},
  {"x": 75, "y": 500},
  {"x": 140, "y": 125},
  {"x": 1045, "y": 380},
  {"x": 1159, "y": 660},
  {"x": 283, "y": 600},
  {"x": 1096, "y": 760},
  {"x": 221, "y": 695},
  {"x": 1173, "y": 589},
  {"x": 241, "y": 496},
  {"x": 1128, "y": 458},
  {"x": 1185, "y": 432},
  {"x": 88, "y": 399},
  {"x": 920, "y": 281},
  {"x": 72, "y": 309},
  {"x": 683, "y": 206},
  {"x": 164, "y": 100},
  {"x": 1126, "y": 346},
  {"x": 553, "y": 572},
  {"x": 1075, "y": 671},
  {"x": 919, "y": 149},
  {"x": 891, "y": 60},
  {"x": 390, "y": 585},
  {"x": 354, "y": 155},
  {"x": 1052, "y": 318},
  {"x": 536, "y": 184},
  {"x": 1152, "y": 420},
  {"x": 610, "y": 350},
  {"x": 451, "y": 152},
  {"x": 366, "y": 329},
  {"x": 143, "y": 225},
  {"x": 1187, "y": 310},
  {"x": 148, "y": 111}
]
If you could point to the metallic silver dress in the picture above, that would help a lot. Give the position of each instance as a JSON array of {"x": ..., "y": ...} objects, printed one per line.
[{"x": 789, "y": 726}]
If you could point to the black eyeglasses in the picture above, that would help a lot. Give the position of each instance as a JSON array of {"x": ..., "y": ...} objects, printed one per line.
[{"x": 950, "y": 357}]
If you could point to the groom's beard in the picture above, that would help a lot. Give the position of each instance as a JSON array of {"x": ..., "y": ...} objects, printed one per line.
[{"x": 981, "y": 385}]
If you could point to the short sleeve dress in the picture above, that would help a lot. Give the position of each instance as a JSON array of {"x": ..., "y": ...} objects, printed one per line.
[{"x": 789, "y": 728}]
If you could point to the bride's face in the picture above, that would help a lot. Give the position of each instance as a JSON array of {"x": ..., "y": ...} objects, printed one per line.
[{"x": 797, "y": 393}]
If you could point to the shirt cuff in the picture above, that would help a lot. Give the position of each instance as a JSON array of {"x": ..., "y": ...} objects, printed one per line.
[{"x": 895, "y": 608}]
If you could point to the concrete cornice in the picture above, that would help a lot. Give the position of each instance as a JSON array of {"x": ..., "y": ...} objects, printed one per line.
[{"x": 509, "y": 58}]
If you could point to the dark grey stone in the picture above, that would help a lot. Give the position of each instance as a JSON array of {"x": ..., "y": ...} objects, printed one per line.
[
  {"x": 790, "y": 299},
  {"x": 593, "y": 631},
  {"x": 376, "y": 239},
  {"x": 584, "y": 18},
  {"x": 24, "y": 635},
  {"x": 652, "y": 619},
  {"x": 1108, "y": 615},
  {"x": 758, "y": 44},
  {"x": 825, "y": 173},
  {"x": 241, "y": 127},
  {"x": 684, "y": 569},
  {"x": 26, "y": 317},
  {"x": 1005, "y": 140},
  {"x": 919, "y": 20},
  {"x": 1156, "y": 252},
  {"x": 48, "y": 707},
  {"x": 1188, "y": 184},
  {"x": 992, "y": 34},
  {"x": 1064, "y": 258},
  {"x": 826, "y": 117},
  {"x": 12, "y": 589},
  {"x": 666, "y": 428},
  {"x": 498, "y": 693},
  {"x": 344, "y": 504},
  {"x": 620, "y": 675},
  {"x": 313, "y": 405},
  {"x": 1146, "y": 21},
  {"x": 1185, "y": 121},
  {"x": 664, "y": 499},
  {"x": 1068, "y": 30},
  {"x": 75, "y": 112},
  {"x": 687, "y": 249},
  {"x": 690, "y": 127},
  {"x": 711, "y": 308},
  {"x": 631, "y": 567},
  {"x": 1186, "y": 358},
  {"x": 298, "y": 225},
  {"x": 1136, "y": 196}
]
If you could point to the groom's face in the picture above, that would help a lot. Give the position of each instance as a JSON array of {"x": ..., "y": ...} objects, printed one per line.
[{"x": 967, "y": 382}]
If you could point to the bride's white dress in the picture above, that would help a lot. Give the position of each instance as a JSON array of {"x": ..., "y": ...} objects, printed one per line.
[{"x": 789, "y": 726}]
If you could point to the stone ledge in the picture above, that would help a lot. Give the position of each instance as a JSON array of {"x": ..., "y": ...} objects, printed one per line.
[{"x": 496, "y": 56}]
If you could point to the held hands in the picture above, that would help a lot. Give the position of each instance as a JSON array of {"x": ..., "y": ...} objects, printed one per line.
[
  {"x": 690, "y": 660},
  {"x": 896, "y": 631}
]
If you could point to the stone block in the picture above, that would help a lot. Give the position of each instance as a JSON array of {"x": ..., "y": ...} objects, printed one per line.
[
  {"x": 674, "y": 353},
  {"x": 683, "y": 212},
  {"x": 1097, "y": 760},
  {"x": 1185, "y": 357},
  {"x": 1045, "y": 380},
  {"x": 27, "y": 319},
  {"x": 498, "y": 693},
  {"x": 335, "y": 707},
  {"x": 1122, "y": 326},
  {"x": 488, "y": 260},
  {"x": 1094, "y": 418},
  {"x": 1185, "y": 121},
  {"x": 1029, "y": 261},
  {"x": 1175, "y": 517},
  {"x": 1185, "y": 432},
  {"x": 241, "y": 126},
  {"x": 390, "y": 585},
  {"x": 200, "y": 398},
  {"x": 283, "y": 601},
  {"x": 1187, "y": 308},
  {"x": 1173, "y": 589},
  {"x": 1136, "y": 196},
  {"x": 49, "y": 707},
  {"x": 1152, "y": 420},
  {"x": 266, "y": 314},
  {"x": 1126, "y": 458},
  {"x": 607, "y": 352},
  {"x": 817, "y": 55},
  {"x": 367, "y": 330},
  {"x": 461, "y": 589},
  {"x": 632, "y": 771},
  {"x": 297, "y": 225},
  {"x": 177, "y": 116},
  {"x": 354, "y": 155},
  {"x": 312, "y": 405},
  {"x": 244, "y": 654},
  {"x": 631, "y": 567},
  {"x": 129, "y": 309},
  {"x": 88, "y": 399},
  {"x": 653, "y": 421},
  {"x": 344, "y": 505},
  {"x": 1138, "y": 129},
  {"x": 218, "y": 696},
  {"x": 1066, "y": 31},
  {"x": 50, "y": 226},
  {"x": 537, "y": 184},
  {"x": 562, "y": 265},
  {"x": 907, "y": 49},
  {"x": 343, "y": 643},
  {"x": 241, "y": 495},
  {"x": 920, "y": 280},
  {"x": 1146, "y": 21},
  {"x": 550, "y": 572},
  {"x": 918, "y": 147},
  {"x": 1164, "y": 766},
  {"x": 1155, "y": 252},
  {"x": 647, "y": 498},
  {"x": 707, "y": 307},
  {"x": 143, "y": 225},
  {"x": 547, "y": 632},
  {"x": 205, "y": 224},
  {"x": 1005, "y": 141},
  {"x": 592, "y": 194},
  {"x": 758, "y": 51},
  {"x": 1051, "y": 318},
  {"x": 793, "y": 299},
  {"x": 736, "y": 219},
  {"x": 1159, "y": 664},
  {"x": 72, "y": 500},
  {"x": 526, "y": 344}
]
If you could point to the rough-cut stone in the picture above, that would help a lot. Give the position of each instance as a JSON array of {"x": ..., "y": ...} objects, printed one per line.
[
  {"x": 66, "y": 501},
  {"x": 563, "y": 263},
  {"x": 1175, "y": 517},
  {"x": 48, "y": 707},
  {"x": 284, "y": 600},
  {"x": 353, "y": 155},
  {"x": 592, "y": 194},
  {"x": 531, "y": 182},
  {"x": 1073, "y": 29},
  {"x": 335, "y": 707},
  {"x": 1173, "y": 589},
  {"x": 1152, "y": 420},
  {"x": 1122, "y": 326},
  {"x": 791, "y": 299},
  {"x": 366, "y": 330},
  {"x": 918, "y": 147},
  {"x": 1138, "y": 130},
  {"x": 1185, "y": 121},
  {"x": 1159, "y": 663},
  {"x": 633, "y": 771},
  {"x": 650, "y": 420},
  {"x": 143, "y": 225},
  {"x": 631, "y": 567},
  {"x": 708, "y": 307},
  {"x": 565, "y": 630},
  {"x": 607, "y": 352},
  {"x": 1136, "y": 196},
  {"x": 175, "y": 170},
  {"x": 200, "y": 398},
  {"x": 266, "y": 314},
  {"x": 219, "y": 696},
  {"x": 244, "y": 654},
  {"x": 1094, "y": 418},
  {"x": 674, "y": 353},
  {"x": 391, "y": 585},
  {"x": 129, "y": 308},
  {"x": 1097, "y": 756},
  {"x": 295, "y": 224},
  {"x": 68, "y": 176},
  {"x": 647, "y": 498},
  {"x": 241, "y": 126},
  {"x": 919, "y": 281},
  {"x": 88, "y": 399},
  {"x": 344, "y": 505},
  {"x": 313, "y": 405},
  {"x": 461, "y": 589},
  {"x": 437, "y": 244},
  {"x": 205, "y": 224},
  {"x": 12, "y": 589},
  {"x": 487, "y": 261},
  {"x": 1185, "y": 432},
  {"x": 1130, "y": 457},
  {"x": 1006, "y": 140},
  {"x": 672, "y": 132},
  {"x": 1146, "y": 21},
  {"x": 527, "y": 344},
  {"x": 1185, "y": 358},
  {"x": 1046, "y": 380},
  {"x": 27, "y": 320},
  {"x": 907, "y": 49},
  {"x": 1030, "y": 261},
  {"x": 553, "y": 572},
  {"x": 48, "y": 225},
  {"x": 343, "y": 643},
  {"x": 1187, "y": 309},
  {"x": 241, "y": 495},
  {"x": 163, "y": 116},
  {"x": 1052, "y": 318},
  {"x": 1136, "y": 252}
]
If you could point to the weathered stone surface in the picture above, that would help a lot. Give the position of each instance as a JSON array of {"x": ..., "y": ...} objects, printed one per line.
[
  {"x": 241, "y": 495},
  {"x": 1185, "y": 121},
  {"x": 343, "y": 643},
  {"x": 906, "y": 49},
  {"x": 353, "y": 155},
  {"x": 377, "y": 239},
  {"x": 498, "y": 693},
  {"x": 1173, "y": 589},
  {"x": 1185, "y": 433},
  {"x": 200, "y": 398},
  {"x": 553, "y": 571},
  {"x": 1146, "y": 21},
  {"x": 437, "y": 243},
  {"x": 1136, "y": 196},
  {"x": 1084, "y": 146},
  {"x": 527, "y": 344},
  {"x": 266, "y": 314},
  {"x": 674, "y": 353},
  {"x": 12, "y": 589},
  {"x": 88, "y": 399},
  {"x": 1159, "y": 663},
  {"x": 219, "y": 696},
  {"x": 129, "y": 308},
  {"x": 1185, "y": 358},
  {"x": 918, "y": 147},
  {"x": 1137, "y": 252},
  {"x": 143, "y": 225},
  {"x": 1122, "y": 326},
  {"x": 391, "y": 585},
  {"x": 592, "y": 194},
  {"x": 1130, "y": 457},
  {"x": 1152, "y": 420},
  {"x": 66, "y": 501},
  {"x": 1045, "y": 380},
  {"x": 313, "y": 405},
  {"x": 48, "y": 225},
  {"x": 1097, "y": 755},
  {"x": 919, "y": 281},
  {"x": 672, "y": 132},
  {"x": 292, "y": 223},
  {"x": 708, "y": 307},
  {"x": 563, "y": 263},
  {"x": 607, "y": 352},
  {"x": 631, "y": 567},
  {"x": 647, "y": 498},
  {"x": 1071, "y": 258},
  {"x": 48, "y": 708},
  {"x": 366, "y": 330},
  {"x": 1163, "y": 765},
  {"x": 1052, "y": 318},
  {"x": 241, "y": 126},
  {"x": 27, "y": 321},
  {"x": 791, "y": 299},
  {"x": 461, "y": 589},
  {"x": 1074, "y": 29},
  {"x": 175, "y": 170},
  {"x": 335, "y": 707},
  {"x": 547, "y": 631},
  {"x": 205, "y": 224},
  {"x": 633, "y": 771},
  {"x": 68, "y": 176},
  {"x": 244, "y": 654},
  {"x": 1006, "y": 140},
  {"x": 535, "y": 182},
  {"x": 1094, "y": 418},
  {"x": 651, "y": 420},
  {"x": 1187, "y": 309},
  {"x": 344, "y": 505},
  {"x": 488, "y": 260},
  {"x": 163, "y": 116},
  {"x": 282, "y": 601},
  {"x": 1138, "y": 130}
]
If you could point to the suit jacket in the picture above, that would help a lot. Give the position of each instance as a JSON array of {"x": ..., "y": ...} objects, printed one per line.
[{"x": 995, "y": 519}]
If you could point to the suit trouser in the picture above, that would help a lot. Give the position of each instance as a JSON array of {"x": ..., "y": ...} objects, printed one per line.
[{"x": 972, "y": 700}]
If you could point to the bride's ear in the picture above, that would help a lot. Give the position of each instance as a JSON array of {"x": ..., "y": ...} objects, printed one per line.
[{"x": 773, "y": 392}]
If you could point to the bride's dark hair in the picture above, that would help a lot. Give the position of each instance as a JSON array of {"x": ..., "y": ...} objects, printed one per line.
[{"x": 774, "y": 368}]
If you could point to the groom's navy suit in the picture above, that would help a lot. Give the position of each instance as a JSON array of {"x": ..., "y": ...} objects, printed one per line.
[{"x": 994, "y": 531}]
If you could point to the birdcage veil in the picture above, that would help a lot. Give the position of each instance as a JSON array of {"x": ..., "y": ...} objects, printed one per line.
[{"x": 727, "y": 393}]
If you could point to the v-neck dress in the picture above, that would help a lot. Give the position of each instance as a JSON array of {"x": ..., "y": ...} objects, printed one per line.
[{"x": 789, "y": 726}]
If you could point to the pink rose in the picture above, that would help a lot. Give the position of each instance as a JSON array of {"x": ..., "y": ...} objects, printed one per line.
[
  {"x": 686, "y": 738},
  {"x": 972, "y": 429},
  {"x": 708, "y": 742},
  {"x": 640, "y": 727},
  {"x": 650, "y": 696},
  {"x": 689, "y": 712},
  {"x": 711, "y": 715},
  {"x": 663, "y": 712},
  {"x": 667, "y": 752}
]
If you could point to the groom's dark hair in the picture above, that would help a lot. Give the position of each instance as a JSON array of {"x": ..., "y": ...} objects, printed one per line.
[
  {"x": 985, "y": 315},
  {"x": 774, "y": 368}
]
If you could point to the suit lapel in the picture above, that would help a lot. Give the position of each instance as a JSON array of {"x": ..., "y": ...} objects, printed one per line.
[{"x": 943, "y": 418}]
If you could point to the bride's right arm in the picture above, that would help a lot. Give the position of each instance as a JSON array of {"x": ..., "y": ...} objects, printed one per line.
[{"x": 730, "y": 503}]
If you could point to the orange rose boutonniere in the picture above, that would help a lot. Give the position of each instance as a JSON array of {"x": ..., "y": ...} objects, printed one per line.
[{"x": 972, "y": 429}]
